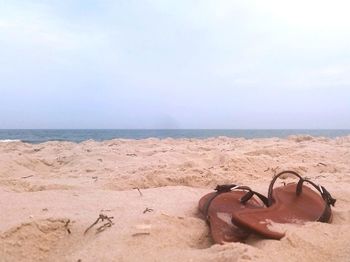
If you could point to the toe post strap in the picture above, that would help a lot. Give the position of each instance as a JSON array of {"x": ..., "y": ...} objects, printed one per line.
[
  {"x": 251, "y": 193},
  {"x": 246, "y": 197}
]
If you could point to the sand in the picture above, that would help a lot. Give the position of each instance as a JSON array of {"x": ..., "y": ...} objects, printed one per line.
[{"x": 50, "y": 193}]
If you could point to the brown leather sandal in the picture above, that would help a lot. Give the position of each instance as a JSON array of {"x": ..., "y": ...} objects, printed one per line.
[
  {"x": 218, "y": 207},
  {"x": 292, "y": 203}
]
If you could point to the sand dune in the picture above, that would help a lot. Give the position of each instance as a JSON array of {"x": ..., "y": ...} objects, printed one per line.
[{"x": 51, "y": 192}]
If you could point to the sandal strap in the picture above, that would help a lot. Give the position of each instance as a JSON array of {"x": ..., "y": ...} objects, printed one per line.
[
  {"x": 330, "y": 201},
  {"x": 246, "y": 197},
  {"x": 269, "y": 195},
  {"x": 250, "y": 194},
  {"x": 327, "y": 197},
  {"x": 231, "y": 187}
]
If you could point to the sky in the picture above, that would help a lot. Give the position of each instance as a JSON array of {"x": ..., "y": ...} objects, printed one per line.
[{"x": 175, "y": 64}]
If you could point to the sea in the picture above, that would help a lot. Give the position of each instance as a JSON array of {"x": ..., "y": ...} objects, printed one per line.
[{"x": 78, "y": 135}]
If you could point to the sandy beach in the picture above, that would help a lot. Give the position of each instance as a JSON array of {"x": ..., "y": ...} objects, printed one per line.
[{"x": 148, "y": 191}]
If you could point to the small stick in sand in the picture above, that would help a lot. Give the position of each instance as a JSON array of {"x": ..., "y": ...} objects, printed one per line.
[
  {"x": 131, "y": 154},
  {"x": 66, "y": 226},
  {"x": 147, "y": 210},
  {"x": 106, "y": 210},
  {"x": 101, "y": 217},
  {"x": 103, "y": 227},
  {"x": 274, "y": 170},
  {"x": 27, "y": 176},
  {"x": 267, "y": 169},
  {"x": 138, "y": 189},
  {"x": 321, "y": 164},
  {"x": 141, "y": 234}
]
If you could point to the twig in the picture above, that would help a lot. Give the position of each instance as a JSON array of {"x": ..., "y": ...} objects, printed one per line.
[
  {"x": 103, "y": 227},
  {"x": 101, "y": 217},
  {"x": 66, "y": 226},
  {"x": 141, "y": 234},
  {"x": 106, "y": 210},
  {"x": 274, "y": 170},
  {"x": 131, "y": 154},
  {"x": 147, "y": 210},
  {"x": 267, "y": 169},
  {"x": 321, "y": 164},
  {"x": 138, "y": 189},
  {"x": 27, "y": 176}
]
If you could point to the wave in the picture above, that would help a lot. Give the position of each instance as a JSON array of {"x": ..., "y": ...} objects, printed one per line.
[{"x": 9, "y": 140}]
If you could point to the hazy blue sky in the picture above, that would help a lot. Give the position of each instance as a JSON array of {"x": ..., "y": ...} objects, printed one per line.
[{"x": 174, "y": 64}]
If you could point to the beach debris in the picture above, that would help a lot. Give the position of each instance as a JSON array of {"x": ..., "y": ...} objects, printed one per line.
[
  {"x": 101, "y": 218},
  {"x": 138, "y": 189},
  {"x": 131, "y": 154},
  {"x": 302, "y": 168},
  {"x": 104, "y": 227},
  {"x": 66, "y": 226},
  {"x": 24, "y": 177},
  {"x": 164, "y": 214},
  {"x": 95, "y": 178},
  {"x": 274, "y": 170},
  {"x": 147, "y": 210},
  {"x": 141, "y": 234},
  {"x": 267, "y": 169},
  {"x": 321, "y": 164},
  {"x": 106, "y": 210}
]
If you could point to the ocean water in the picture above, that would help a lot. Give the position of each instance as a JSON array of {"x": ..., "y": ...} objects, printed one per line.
[{"x": 79, "y": 135}]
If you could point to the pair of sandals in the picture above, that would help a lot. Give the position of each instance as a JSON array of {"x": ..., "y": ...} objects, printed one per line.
[{"x": 234, "y": 212}]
